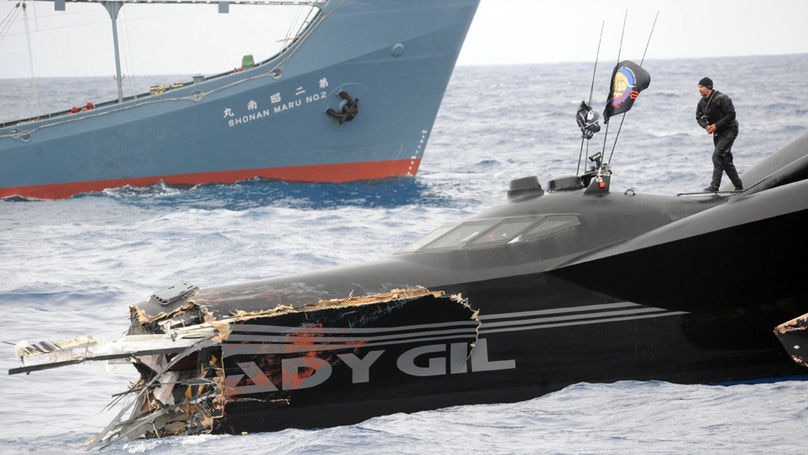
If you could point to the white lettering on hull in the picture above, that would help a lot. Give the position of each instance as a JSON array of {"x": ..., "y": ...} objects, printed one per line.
[
  {"x": 278, "y": 106},
  {"x": 248, "y": 118},
  {"x": 422, "y": 361}
]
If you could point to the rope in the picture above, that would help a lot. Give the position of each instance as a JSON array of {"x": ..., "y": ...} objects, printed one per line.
[
  {"x": 30, "y": 59},
  {"x": 8, "y": 21},
  {"x": 30, "y": 128}
]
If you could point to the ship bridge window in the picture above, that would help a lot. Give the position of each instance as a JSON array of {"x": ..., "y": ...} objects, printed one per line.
[{"x": 492, "y": 232}]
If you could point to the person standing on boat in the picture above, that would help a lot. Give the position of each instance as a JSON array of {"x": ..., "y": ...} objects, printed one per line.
[{"x": 716, "y": 114}]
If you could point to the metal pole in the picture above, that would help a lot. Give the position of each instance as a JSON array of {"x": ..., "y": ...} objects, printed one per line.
[{"x": 113, "y": 8}]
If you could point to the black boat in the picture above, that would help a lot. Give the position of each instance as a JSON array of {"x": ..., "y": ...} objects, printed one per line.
[{"x": 554, "y": 287}]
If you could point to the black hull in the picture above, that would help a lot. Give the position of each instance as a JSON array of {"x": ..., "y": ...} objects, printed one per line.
[
  {"x": 584, "y": 318},
  {"x": 718, "y": 270},
  {"x": 539, "y": 351},
  {"x": 681, "y": 349},
  {"x": 521, "y": 300}
]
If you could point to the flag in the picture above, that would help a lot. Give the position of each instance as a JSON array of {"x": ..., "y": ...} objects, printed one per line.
[{"x": 628, "y": 80}]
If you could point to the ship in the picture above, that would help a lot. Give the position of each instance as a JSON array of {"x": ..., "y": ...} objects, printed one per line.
[
  {"x": 352, "y": 96},
  {"x": 560, "y": 284}
]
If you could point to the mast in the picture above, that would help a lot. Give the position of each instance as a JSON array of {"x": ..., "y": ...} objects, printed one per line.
[{"x": 113, "y": 8}]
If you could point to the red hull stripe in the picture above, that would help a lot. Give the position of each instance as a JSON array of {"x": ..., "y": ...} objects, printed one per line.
[{"x": 334, "y": 173}]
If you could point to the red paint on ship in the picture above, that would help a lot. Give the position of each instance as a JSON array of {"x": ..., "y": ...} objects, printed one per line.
[{"x": 321, "y": 173}]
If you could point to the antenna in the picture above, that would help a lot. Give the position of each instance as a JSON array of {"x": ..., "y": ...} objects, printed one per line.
[
  {"x": 619, "y": 50},
  {"x": 623, "y": 117},
  {"x": 597, "y": 56},
  {"x": 648, "y": 43},
  {"x": 622, "y": 35},
  {"x": 591, "y": 91}
]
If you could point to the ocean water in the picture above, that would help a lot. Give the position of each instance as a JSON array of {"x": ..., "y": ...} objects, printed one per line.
[{"x": 71, "y": 267}]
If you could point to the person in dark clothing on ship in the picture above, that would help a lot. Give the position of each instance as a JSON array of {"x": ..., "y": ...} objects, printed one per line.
[{"x": 716, "y": 114}]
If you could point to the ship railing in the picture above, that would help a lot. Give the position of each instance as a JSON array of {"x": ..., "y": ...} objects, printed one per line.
[{"x": 59, "y": 6}]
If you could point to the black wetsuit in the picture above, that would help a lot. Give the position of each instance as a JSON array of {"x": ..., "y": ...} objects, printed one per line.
[{"x": 717, "y": 109}]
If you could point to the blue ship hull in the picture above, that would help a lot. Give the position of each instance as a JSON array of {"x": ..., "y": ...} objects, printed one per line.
[{"x": 269, "y": 121}]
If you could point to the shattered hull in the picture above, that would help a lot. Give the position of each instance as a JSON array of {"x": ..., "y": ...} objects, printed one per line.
[
  {"x": 244, "y": 373},
  {"x": 793, "y": 335}
]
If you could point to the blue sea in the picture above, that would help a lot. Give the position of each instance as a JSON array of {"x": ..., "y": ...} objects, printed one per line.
[{"x": 71, "y": 267}]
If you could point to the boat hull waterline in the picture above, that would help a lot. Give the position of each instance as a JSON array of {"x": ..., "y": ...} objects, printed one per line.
[{"x": 382, "y": 81}]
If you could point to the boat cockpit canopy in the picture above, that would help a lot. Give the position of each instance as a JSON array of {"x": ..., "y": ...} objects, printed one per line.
[{"x": 492, "y": 232}]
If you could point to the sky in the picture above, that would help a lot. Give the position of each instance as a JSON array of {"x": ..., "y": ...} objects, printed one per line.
[
  {"x": 527, "y": 31},
  {"x": 78, "y": 42}
]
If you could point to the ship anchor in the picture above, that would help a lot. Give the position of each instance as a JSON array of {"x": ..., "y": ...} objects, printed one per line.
[{"x": 349, "y": 108}]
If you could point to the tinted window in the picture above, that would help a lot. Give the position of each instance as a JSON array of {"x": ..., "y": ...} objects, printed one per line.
[
  {"x": 462, "y": 234},
  {"x": 503, "y": 232},
  {"x": 493, "y": 232},
  {"x": 549, "y": 225},
  {"x": 416, "y": 245}
]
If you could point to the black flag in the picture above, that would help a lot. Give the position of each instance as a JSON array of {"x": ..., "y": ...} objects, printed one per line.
[{"x": 628, "y": 80}]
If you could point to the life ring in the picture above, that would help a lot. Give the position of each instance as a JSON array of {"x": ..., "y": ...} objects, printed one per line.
[{"x": 349, "y": 108}]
